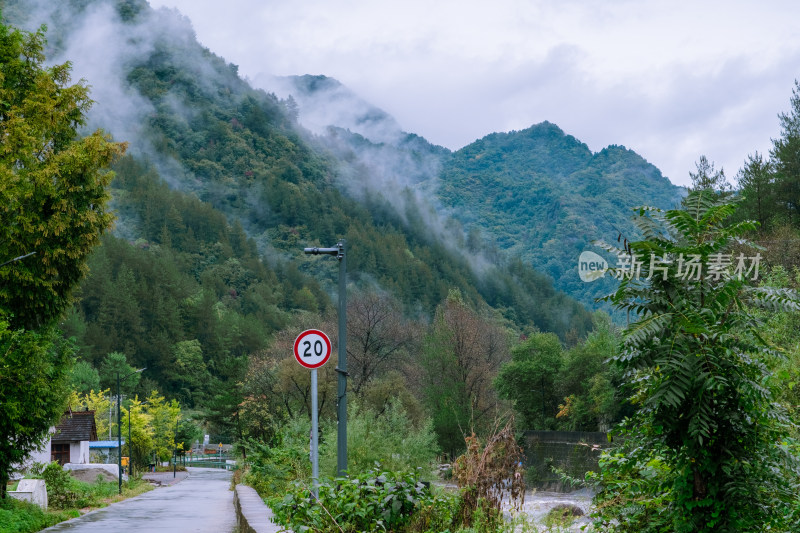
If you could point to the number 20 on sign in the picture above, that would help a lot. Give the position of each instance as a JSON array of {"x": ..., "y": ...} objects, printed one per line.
[{"x": 312, "y": 348}]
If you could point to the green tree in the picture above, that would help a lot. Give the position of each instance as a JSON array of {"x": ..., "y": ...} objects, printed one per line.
[
  {"x": 140, "y": 447},
  {"x": 53, "y": 202},
  {"x": 529, "y": 380},
  {"x": 116, "y": 365},
  {"x": 589, "y": 385},
  {"x": 165, "y": 416},
  {"x": 53, "y": 198},
  {"x": 189, "y": 374},
  {"x": 84, "y": 378},
  {"x": 708, "y": 434},
  {"x": 756, "y": 185},
  {"x": 786, "y": 157},
  {"x": 34, "y": 374},
  {"x": 706, "y": 178},
  {"x": 105, "y": 411}
]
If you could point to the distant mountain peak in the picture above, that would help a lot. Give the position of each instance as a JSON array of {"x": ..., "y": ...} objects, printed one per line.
[{"x": 324, "y": 101}]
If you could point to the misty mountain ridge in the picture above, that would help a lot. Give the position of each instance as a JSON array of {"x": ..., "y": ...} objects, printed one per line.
[
  {"x": 537, "y": 193},
  {"x": 220, "y": 192},
  {"x": 323, "y": 102},
  {"x": 206, "y": 131}
]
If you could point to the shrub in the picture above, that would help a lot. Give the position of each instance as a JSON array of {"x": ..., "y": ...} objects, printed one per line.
[
  {"x": 389, "y": 438},
  {"x": 486, "y": 473},
  {"x": 272, "y": 469},
  {"x": 377, "y": 501},
  {"x": 59, "y": 483},
  {"x": 23, "y": 517}
]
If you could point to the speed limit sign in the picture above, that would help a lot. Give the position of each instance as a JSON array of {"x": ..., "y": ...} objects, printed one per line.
[{"x": 312, "y": 348}]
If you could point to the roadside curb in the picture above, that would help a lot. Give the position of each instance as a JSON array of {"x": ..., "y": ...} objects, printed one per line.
[{"x": 252, "y": 514}]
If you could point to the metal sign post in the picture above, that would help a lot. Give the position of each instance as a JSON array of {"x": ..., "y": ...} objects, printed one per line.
[
  {"x": 314, "y": 436},
  {"x": 341, "y": 366},
  {"x": 312, "y": 348}
]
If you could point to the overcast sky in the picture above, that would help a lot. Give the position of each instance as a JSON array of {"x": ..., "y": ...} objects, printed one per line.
[{"x": 671, "y": 80}]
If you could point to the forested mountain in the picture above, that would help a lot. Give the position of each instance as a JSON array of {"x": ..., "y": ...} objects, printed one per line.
[
  {"x": 220, "y": 193},
  {"x": 542, "y": 195},
  {"x": 538, "y": 195}
]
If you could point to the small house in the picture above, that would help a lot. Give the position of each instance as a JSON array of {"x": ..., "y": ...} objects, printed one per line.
[{"x": 70, "y": 440}]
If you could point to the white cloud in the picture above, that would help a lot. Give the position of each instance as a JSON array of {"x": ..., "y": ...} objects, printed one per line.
[{"x": 671, "y": 80}]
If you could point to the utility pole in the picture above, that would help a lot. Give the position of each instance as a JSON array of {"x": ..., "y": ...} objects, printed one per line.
[
  {"x": 341, "y": 365},
  {"x": 119, "y": 426}
]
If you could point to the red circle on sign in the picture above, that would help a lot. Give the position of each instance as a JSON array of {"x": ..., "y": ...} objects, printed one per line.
[{"x": 312, "y": 348}]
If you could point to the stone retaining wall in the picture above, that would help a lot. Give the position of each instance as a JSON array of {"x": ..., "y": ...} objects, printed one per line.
[
  {"x": 573, "y": 452},
  {"x": 252, "y": 514}
]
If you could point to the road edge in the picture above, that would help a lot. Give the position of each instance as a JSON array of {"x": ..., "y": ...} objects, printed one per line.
[{"x": 252, "y": 514}]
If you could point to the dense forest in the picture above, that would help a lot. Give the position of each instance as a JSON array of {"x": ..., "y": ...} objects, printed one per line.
[{"x": 220, "y": 193}]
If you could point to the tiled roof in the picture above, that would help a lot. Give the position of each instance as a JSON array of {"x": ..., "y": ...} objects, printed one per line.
[{"x": 76, "y": 426}]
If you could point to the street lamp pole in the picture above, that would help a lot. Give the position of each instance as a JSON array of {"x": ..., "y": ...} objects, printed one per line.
[
  {"x": 119, "y": 426},
  {"x": 341, "y": 365}
]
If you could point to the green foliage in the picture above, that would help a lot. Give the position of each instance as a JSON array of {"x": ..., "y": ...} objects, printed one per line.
[
  {"x": 707, "y": 179},
  {"x": 699, "y": 373},
  {"x": 385, "y": 437},
  {"x": 84, "y": 378},
  {"x": 34, "y": 372},
  {"x": 187, "y": 434},
  {"x": 140, "y": 447},
  {"x": 785, "y": 152},
  {"x": 570, "y": 390},
  {"x": 66, "y": 492},
  {"x": 53, "y": 202},
  {"x": 378, "y": 500},
  {"x": 115, "y": 366},
  {"x": 23, "y": 517},
  {"x": 98, "y": 401},
  {"x": 529, "y": 380},
  {"x": 543, "y": 196},
  {"x": 273, "y": 468},
  {"x": 61, "y": 486},
  {"x": 771, "y": 187},
  {"x": 190, "y": 373},
  {"x": 164, "y": 418},
  {"x": 53, "y": 198}
]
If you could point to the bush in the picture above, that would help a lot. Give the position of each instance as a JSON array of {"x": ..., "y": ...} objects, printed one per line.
[
  {"x": 488, "y": 472},
  {"x": 272, "y": 469},
  {"x": 377, "y": 501},
  {"x": 66, "y": 492},
  {"x": 61, "y": 493},
  {"x": 388, "y": 438},
  {"x": 24, "y": 517}
]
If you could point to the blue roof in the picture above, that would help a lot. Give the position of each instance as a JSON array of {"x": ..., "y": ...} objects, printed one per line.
[{"x": 104, "y": 443}]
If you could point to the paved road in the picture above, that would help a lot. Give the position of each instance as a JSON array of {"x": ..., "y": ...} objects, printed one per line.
[{"x": 200, "y": 503}]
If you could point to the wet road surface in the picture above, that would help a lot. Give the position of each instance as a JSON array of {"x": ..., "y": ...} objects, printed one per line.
[{"x": 200, "y": 503}]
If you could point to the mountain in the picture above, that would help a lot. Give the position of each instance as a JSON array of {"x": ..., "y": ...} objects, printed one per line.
[
  {"x": 323, "y": 101},
  {"x": 221, "y": 191},
  {"x": 539, "y": 194},
  {"x": 543, "y": 196}
]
